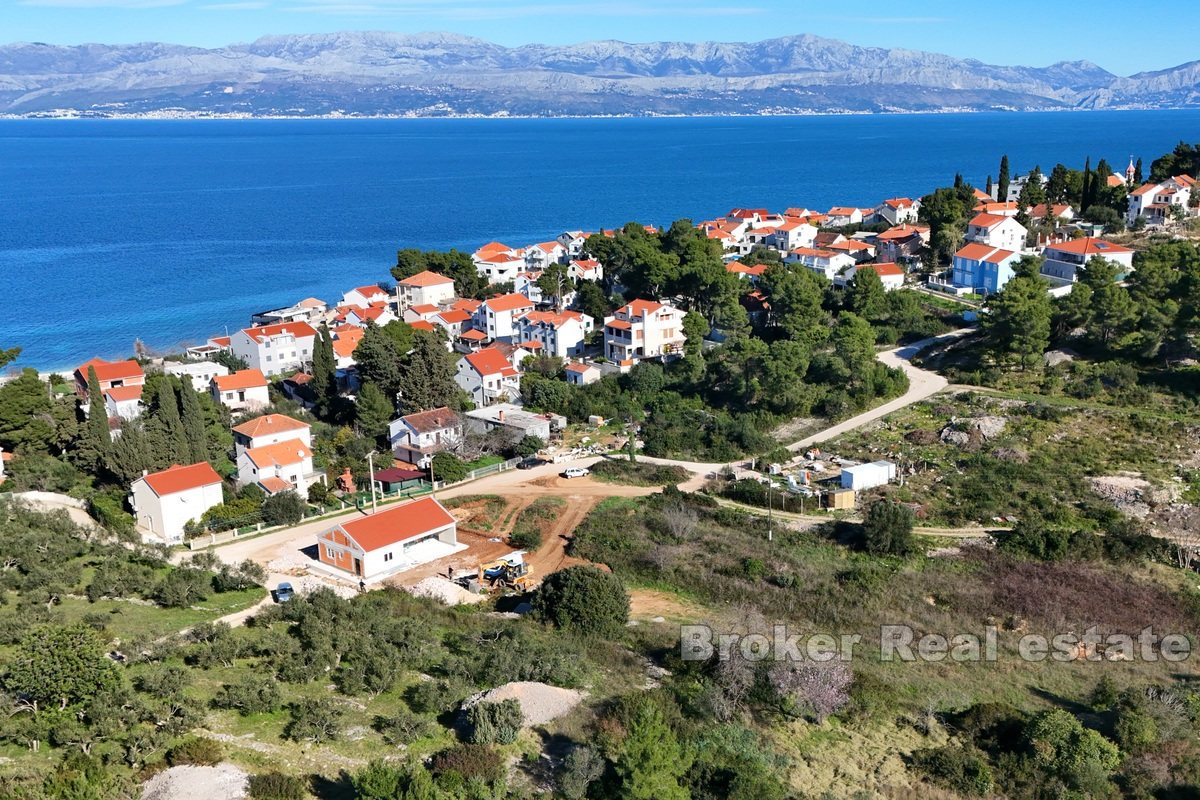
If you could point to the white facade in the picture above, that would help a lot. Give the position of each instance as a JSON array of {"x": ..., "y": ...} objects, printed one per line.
[
  {"x": 868, "y": 476},
  {"x": 424, "y": 288},
  {"x": 268, "y": 430},
  {"x": 123, "y": 402},
  {"x": 581, "y": 374},
  {"x": 198, "y": 374},
  {"x": 823, "y": 262},
  {"x": 244, "y": 390},
  {"x": 487, "y": 376},
  {"x": 364, "y": 296},
  {"x": 899, "y": 210},
  {"x": 643, "y": 329},
  {"x": 416, "y": 438},
  {"x": 275, "y": 349},
  {"x": 285, "y": 466},
  {"x": 497, "y": 316},
  {"x": 561, "y": 334},
  {"x": 1065, "y": 259},
  {"x": 996, "y": 231},
  {"x": 164, "y": 502}
]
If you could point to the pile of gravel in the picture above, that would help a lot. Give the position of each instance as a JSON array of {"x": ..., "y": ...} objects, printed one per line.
[
  {"x": 446, "y": 591},
  {"x": 222, "y": 782},
  {"x": 540, "y": 702}
]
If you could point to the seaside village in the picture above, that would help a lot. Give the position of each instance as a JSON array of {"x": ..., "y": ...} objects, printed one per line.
[{"x": 493, "y": 339}]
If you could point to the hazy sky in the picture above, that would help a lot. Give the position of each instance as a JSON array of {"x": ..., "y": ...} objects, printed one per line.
[{"x": 1113, "y": 34}]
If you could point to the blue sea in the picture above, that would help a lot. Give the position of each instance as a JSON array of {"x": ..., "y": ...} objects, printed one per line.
[{"x": 172, "y": 231}]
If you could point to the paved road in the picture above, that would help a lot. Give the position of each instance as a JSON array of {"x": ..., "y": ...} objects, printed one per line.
[{"x": 921, "y": 384}]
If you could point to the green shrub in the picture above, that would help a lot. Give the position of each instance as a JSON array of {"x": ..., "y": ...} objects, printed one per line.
[
  {"x": 403, "y": 728},
  {"x": 583, "y": 599},
  {"x": 255, "y": 694},
  {"x": 470, "y": 761},
  {"x": 195, "y": 750},
  {"x": 285, "y": 508},
  {"x": 962, "y": 769},
  {"x": 494, "y": 723},
  {"x": 887, "y": 529},
  {"x": 276, "y": 786}
]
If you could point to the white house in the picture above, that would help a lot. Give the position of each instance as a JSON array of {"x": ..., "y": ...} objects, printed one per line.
[
  {"x": 1010, "y": 209},
  {"x": 424, "y": 289},
  {"x": 270, "y": 429},
  {"x": 275, "y": 349},
  {"x": 124, "y": 402},
  {"x": 580, "y": 373},
  {"x": 365, "y": 296},
  {"x": 1056, "y": 212},
  {"x": 198, "y": 374},
  {"x": 560, "y": 332},
  {"x": 244, "y": 390},
  {"x": 1154, "y": 201},
  {"x": 109, "y": 374},
  {"x": 389, "y": 541},
  {"x": 498, "y": 262},
  {"x": 497, "y": 316},
  {"x": 416, "y": 438},
  {"x": 794, "y": 233},
  {"x": 844, "y": 215},
  {"x": 487, "y": 376},
  {"x": 585, "y": 269},
  {"x": 379, "y": 313},
  {"x": 281, "y": 467},
  {"x": 1064, "y": 259},
  {"x": 163, "y": 502},
  {"x": 574, "y": 242},
  {"x": 643, "y": 329},
  {"x": 889, "y": 274},
  {"x": 997, "y": 231},
  {"x": 899, "y": 210},
  {"x": 345, "y": 342},
  {"x": 823, "y": 262},
  {"x": 544, "y": 254}
]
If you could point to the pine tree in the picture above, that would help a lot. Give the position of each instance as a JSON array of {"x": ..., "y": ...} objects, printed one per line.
[
  {"x": 375, "y": 412},
  {"x": 130, "y": 454},
  {"x": 193, "y": 424},
  {"x": 651, "y": 760},
  {"x": 94, "y": 444},
  {"x": 428, "y": 382},
  {"x": 167, "y": 414},
  {"x": 866, "y": 294},
  {"x": 1018, "y": 320},
  {"x": 324, "y": 372},
  {"x": 1003, "y": 181},
  {"x": 379, "y": 360}
]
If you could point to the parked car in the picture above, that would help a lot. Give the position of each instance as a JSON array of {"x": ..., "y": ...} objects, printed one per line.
[
  {"x": 576, "y": 472},
  {"x": 530, "y": 463},
  {"x": 284, "y": 592}
]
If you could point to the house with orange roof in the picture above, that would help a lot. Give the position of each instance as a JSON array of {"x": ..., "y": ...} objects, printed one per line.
[
  {"x": 996, "y": 230},
  {"x": 855, "y": 248},
  {"x": 844, "y": 215},
  {"x": 543, "y": 254},
  {"x": 643, "y": 329},
  {"x": 270, "y": 429},
  {"x": 164, "y": 502},
  {"x": 390, "y": 541},
  {"x": 827, "y": 263},
  {"x": 585, "y": 269},
  {"x": 1155, "y": 202},
  {"x": 575, "y": 243},
  {"x": 209, "y": 349},
  {"x": 1064, "y": 259},
  {"x": 365, "y": 296},
  {"x": 745, "y": 271},
  {"x": 453, "y": 321},
  {"x": 497, "y": 316},
  {"x": 488, "y": 376},
  {"x": 244, "y": 390},
  {"x": 378, "y": 313},
  {"x": 983, "y": 268},
  {"x": 899, "y": 210},
  {"x": 345, "y": 342},
  {"x": 890, "y": 275},
  {"x": 581, "y": 373},
  {"x": 109, "y": 374},
  {"x": 425, "y": 288},
  {"x": 417, "y": 438},
  {"x": 561, "y": 333},
  {"x": 498, "y": 262},
  {"x": 285, "y": 466},
  {"x": 981, "y": 195},
  {"x": 421, "y": 312},
  {"x": 1005, "y": 209},
  {"x": 1057, "y": 212},
  {"x": 793, "y": 233},
  {"x": 124, "y": 402},
  {"x": 902, "y": 241},
  {"x": 275, "y": 349}
]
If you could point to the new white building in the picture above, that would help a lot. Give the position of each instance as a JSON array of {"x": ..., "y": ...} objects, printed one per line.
[
  {"x": 424, "y": 288},
  {"x": 244, "y": 390},
  {"x": 488, "y": 377},
  {"x": 899, "y": 210},
  {"x": 275, "y": 349},
  {"x": 497, "y": 316},
  {"x": 1154, "y": 202},
  {"x": 270, "y": 429},
  {"x": 389, "y": 541},
  {"x": 164, "y": 502},
  {"x": 823, "y": 262},
  {"x": 643, "y": 329},
  {"x": 198, "y": 374},
  {"x": 561, "y": 333},
  {"x": 281, "y": 467},
  {"x": 365, "y": 296},
  {"x": 1064, "y": 259},
  {"x": 997, "y": 231}
]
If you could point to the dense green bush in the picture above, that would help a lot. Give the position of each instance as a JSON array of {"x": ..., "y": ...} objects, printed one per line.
[
  {"x": 276, "y": 786},
  {"x": 494, "y": 723},
  {"x": 255, "y": 694},
  {"x": 583, "y": 599},
  {"x": 195, "y": 750},
  {"x": 285, "y": 508},
  {"x": 887, "y": 529},
  {"x": 470, "y": 761},
  {"x": 962, "y": 769}
]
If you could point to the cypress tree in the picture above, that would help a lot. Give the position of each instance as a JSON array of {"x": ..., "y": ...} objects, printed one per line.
[
  {"x": 428, "y": 382},
  {"x": 193, "y": 424},
  {"x": 324, "y": 371},
  {"x": 1137, "y": 172},
  {"x": 1089, "y": 191},
  {"x": 131, "y": 453},
  {"x": 988, "y": 188},
  {"x": 168, "y": 416},
  {"x": 96, "y": 439},
  {"x": 958, "y": 180},
  {"x": 1003, "y": 181},
  {"x": 375, "y": 411}
]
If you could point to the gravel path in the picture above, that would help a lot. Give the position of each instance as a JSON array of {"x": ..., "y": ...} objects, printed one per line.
[{"x": 222, "y": 782}]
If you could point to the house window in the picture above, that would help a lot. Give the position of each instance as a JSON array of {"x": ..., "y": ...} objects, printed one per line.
[
  {"x": 387, "y": 556},
  {"x": 329, "y": 553}
]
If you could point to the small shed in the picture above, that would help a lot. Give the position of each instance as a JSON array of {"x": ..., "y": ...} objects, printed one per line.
[
  {"x": 841, "y": 499},
  {"x": 868, "y": 476},
  {"x": 394, "y": 479}
]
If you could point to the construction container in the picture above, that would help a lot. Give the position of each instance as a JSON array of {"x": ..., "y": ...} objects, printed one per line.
[
  {"x": 841, "y": 499},
  {"x": 868, "y": 476}
]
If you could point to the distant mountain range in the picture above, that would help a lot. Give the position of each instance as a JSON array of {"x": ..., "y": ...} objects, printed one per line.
[{"x": 443, "y": 74}]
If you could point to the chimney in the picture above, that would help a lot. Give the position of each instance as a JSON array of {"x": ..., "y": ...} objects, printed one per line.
[
  {"x": 501, "y": 417},
  {"x": 145, "y": 472}
]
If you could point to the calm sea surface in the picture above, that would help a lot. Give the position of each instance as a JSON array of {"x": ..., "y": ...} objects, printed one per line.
[{"x": 172, "y": 230}]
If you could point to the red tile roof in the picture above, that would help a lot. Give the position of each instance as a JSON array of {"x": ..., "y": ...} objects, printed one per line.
[
  {"x": 423, "y": 309},
  {"x": 426, "y": 278},
  {"x": 179, "y": 479},
  {"x": 281, "y": 454},
  {"x": 269, "y": 424},
  {"x": 490, "y": 361},
  {"x": 902, "y": 232},
  {"x": 508, "y": 302},
  {"x": 898, "y": 202},
  {"x": 989, "y": 208},
  {"x": 553, "y": 319},
  {"x": 492, "y": 248},
  {"x": 976, "y": 251},
  {"x": 1089, "y": 247},
  {"x": 369, "y": 291},
  {"x": 111, "y": 370},
  {"x": 641, "y": 308},
  {"x": 422, "y": 325},
  {"x": 436, "y": 419},
  {"x": 885, "y": 268},
  {"x": 242, "y": 379},
  {"x": 398, "y": 524},
  {"x": 454, "y": 316},
  {"x": 120, "y": 394},
  {"x": 473, "y": 335},
  {"x": 579, "y": 366},
  {"x": 987, "y": 220},
  {"x": 274, "y": 485},
  {"x": 300, "y": 330}
]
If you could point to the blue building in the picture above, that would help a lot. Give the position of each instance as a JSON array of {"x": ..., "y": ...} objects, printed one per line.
[{"x": 983, "y": 269}]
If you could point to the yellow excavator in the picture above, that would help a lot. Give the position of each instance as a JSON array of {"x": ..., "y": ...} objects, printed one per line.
[{"x": 510, "y": 572}]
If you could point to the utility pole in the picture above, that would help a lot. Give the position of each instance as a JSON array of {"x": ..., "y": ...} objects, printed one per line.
[
  {"x": 371, "y": 465},
  {"x": 770, "y": 521}
]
